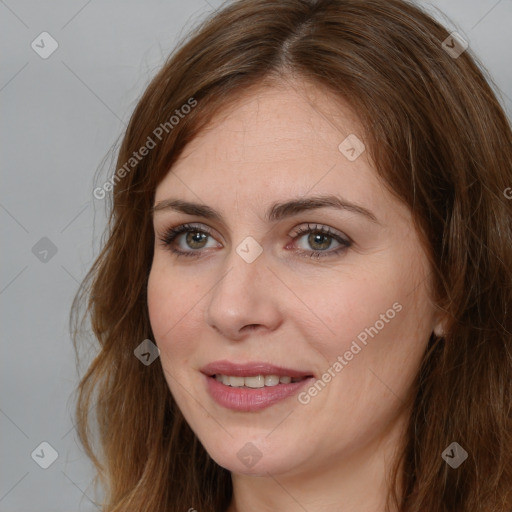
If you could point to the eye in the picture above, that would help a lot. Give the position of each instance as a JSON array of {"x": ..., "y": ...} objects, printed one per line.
[
  {"x": 320, "y": 239},
  {"x": 195, "y": 238}
]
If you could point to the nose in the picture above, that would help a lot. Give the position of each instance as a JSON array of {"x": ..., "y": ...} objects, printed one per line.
[{"x": 245, "y": 299}]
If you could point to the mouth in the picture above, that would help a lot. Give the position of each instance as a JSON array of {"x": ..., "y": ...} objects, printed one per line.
[
  {"x": 253, "y": 374},
  {"x": 250, "y": 387}
]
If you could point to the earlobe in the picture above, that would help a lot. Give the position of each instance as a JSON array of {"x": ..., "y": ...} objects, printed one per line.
[
  {"x": 439, "y": 331},
  {"x": 440, "y": 328}
]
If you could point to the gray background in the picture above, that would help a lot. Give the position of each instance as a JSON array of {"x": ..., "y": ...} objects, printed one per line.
[{"x": 60, "y": 118}]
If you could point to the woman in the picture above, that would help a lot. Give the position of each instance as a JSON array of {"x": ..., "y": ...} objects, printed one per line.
[{"x": 302, "y": 300}]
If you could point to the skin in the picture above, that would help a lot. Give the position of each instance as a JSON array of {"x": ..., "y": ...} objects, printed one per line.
[{"x": 331, "y": 454}]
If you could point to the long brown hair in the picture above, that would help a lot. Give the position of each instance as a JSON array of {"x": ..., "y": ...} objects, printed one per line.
[{"x": 442, "y": 143}]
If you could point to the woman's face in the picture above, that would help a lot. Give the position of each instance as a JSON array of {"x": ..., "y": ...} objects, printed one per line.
[{"x": 354, "y": 319}]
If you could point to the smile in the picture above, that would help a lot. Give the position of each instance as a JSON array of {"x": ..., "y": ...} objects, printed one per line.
[{"x": 257, "y": 381}]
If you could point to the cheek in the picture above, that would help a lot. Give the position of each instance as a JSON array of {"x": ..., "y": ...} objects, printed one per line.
[
  {"x": 344, "y": 311},
  {"x": 159, "y": 302},
  {"x": 172, "y": 306},
  {"x": 378, "y": 323},
  {"x": 163, "y": 307}
]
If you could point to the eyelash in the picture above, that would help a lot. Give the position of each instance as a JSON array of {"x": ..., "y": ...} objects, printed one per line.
[{"x": 171, "y": 234}]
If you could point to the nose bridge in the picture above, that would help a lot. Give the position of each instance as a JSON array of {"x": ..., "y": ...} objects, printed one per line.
[
  {"x": 243, "y": 274},
  {"x": 242, "y": 296}
]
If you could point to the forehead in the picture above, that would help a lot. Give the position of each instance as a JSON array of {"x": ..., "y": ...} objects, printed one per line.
[
  {"x": 276, "y": 122},
  {"x": 272, "y": 143}
]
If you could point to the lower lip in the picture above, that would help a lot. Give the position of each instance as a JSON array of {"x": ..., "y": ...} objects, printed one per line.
[{"x": 251, "y": 399}]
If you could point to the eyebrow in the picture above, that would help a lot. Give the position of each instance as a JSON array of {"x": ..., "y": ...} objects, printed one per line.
[{"x": 276, "y": 212}]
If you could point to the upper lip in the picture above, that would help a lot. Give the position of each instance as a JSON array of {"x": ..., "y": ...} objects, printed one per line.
[{"x": 250, "y": 369}]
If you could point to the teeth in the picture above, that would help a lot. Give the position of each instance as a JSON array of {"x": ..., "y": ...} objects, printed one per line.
[
  {"x": 236, "y": 382},
  {"x": 271, "y": 380},
  {"x": 257, "y": 381},
  {"x": 253, "y": 382}
]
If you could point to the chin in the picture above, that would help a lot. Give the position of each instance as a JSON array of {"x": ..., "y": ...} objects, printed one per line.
[{"x": 249, "y": 459}]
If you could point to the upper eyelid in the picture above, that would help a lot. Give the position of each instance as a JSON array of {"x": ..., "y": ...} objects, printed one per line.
[{"x": 326, "y": 229}]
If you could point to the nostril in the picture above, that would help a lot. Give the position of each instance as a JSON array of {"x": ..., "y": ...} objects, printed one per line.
[{"x": 252, "y": 327}]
